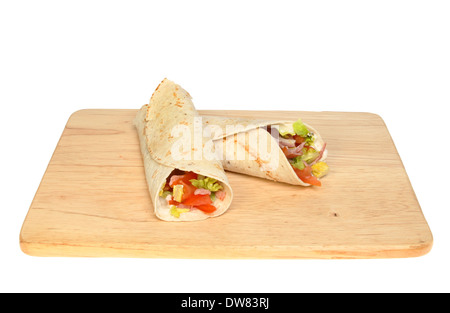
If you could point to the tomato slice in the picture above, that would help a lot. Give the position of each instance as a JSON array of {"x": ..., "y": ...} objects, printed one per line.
[
  {"x": 298, "y": 139},
  {"x": 173, "y": 202},
  {"x": 188, "y": 176},
  {"x": 306, "y": 176},
  {"x": 207, "y": 208},
  {"x": 185, "y": 178},
  {"x": 188, "y": 190},
  {"x": 197, "y": 200}
]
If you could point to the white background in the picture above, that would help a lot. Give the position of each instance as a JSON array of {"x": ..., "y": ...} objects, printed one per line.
[{"x": 391, "y": 58}]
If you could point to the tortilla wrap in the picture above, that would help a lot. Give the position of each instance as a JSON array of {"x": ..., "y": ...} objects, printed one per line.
[
  {"x": 170, "y": 107},
  {"x": 232, "y": 143}
]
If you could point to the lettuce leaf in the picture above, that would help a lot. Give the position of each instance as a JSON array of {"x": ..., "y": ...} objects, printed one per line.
[
  {"x": 300, "y": 128},
  {"x": 285, "y": 130},
  {"x": 174, "y": 211},
  {"x": 165, "y": 193},
  {"x": 309, "y": 155},
  {"x": 206, "y": 183},
  {"x": 297, "y": 162},
  {"x": 296, "y": 128}
]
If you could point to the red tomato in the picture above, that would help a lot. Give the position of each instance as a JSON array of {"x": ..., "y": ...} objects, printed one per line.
[
  {"x": 306, "y": 176},
  {"x": 185, "y": 178},
  {"x": 207, "y": 208},
  {"x": 188, "y": 190},
  {"x": 298, "y": 139},
  {"x": 197, "y": 200},
  {"x": 202, "y": 202}
]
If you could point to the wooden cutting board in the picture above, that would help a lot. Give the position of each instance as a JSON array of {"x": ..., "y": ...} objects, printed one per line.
[{"x": 93, "y": 199}]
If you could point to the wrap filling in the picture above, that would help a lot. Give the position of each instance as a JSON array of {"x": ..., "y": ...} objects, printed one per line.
[
  {"x": 298, "y": 145},
  {"x": 187, "y": 191}
]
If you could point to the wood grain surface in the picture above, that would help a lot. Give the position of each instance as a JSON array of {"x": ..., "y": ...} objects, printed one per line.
[{"x": 93, "y": 199}]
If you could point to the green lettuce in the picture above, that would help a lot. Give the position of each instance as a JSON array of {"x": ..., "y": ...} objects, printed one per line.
[
  {"x": 297, "y": 162},
  {"x": 165, "y": 193},
  {"x": 309, "y": 155},
  {"x": 296, "y": 128},
  {"x": 285, "y": 130},
  {"x": 300, "y": 128},
  {"x": 206, "y": 183},
  {"x": 309, "y": 140}
]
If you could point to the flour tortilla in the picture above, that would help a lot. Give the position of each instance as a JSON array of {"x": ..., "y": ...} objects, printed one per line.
[
  {"x": 245, "y": 158},
  {"x": 170, "y": 107}
]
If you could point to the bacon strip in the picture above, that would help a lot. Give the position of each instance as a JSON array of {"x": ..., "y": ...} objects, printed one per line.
[
  {"x": 174, "y": 178},
  {"x": 220, "y": 194},
  {"x": 202, "y": 191},
  {"x": 297, "y": 150}
]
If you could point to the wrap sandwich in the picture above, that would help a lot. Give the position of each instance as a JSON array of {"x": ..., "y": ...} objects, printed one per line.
[
  {"x": 185, "y": 184},
  {"x": 285, "y": 151}
]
